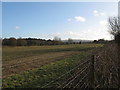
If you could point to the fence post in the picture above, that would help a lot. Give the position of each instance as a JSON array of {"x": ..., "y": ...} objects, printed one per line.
[
  {"x": 92, "y": 72},
  {"x": 117, "y": 39}
]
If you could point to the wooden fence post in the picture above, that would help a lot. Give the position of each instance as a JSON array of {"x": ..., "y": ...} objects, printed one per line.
[
  {"x": 92, "y": 72},
  {"x": 117, "y": 39}
]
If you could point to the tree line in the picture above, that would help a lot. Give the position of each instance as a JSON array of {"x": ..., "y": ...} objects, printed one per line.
[{"x": 34, "y": 42}]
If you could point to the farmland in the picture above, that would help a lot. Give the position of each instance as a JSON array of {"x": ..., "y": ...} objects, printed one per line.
[{"x": 34, "y": 66}]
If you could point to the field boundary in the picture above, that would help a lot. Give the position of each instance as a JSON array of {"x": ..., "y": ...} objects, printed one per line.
[{"x": 90, "y": 74}]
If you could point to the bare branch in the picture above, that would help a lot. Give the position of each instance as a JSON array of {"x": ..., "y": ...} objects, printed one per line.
[{"x": 114, "y": 25}]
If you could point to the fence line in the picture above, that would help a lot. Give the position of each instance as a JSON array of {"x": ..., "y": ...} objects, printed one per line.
[
  {"x": 89, "y": 74},
  {"x": 76, "y": 77},
  {"x": 72, "y": 76},
  {"x": 79, "y": 65}
]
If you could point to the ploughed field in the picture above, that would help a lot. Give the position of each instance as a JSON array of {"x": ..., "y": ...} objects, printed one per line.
[{"x": 34, "y": 66}]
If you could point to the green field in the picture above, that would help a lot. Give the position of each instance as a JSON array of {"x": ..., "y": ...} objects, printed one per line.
[{"x": 35, "y": 66}]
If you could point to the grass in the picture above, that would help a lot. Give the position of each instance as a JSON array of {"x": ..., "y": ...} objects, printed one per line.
[
  {"x": 11, "y": 53},
  {"x": 38, "y": 77}
]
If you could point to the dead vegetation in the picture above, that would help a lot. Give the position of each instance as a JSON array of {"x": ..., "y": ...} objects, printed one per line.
[{"x": 106, "y": 64}]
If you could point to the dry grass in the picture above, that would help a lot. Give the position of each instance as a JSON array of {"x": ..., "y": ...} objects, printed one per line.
[
  {"x": 23, "y": 64},
  {"x": 106, "y": 63},
  {"x": 19, "y": 59}
]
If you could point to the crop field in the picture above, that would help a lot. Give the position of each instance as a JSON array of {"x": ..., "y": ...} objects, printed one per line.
[{"x": 34, "y": 66}]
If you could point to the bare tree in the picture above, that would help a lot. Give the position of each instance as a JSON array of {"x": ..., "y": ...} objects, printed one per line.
[
  {"x": 114, "y": 25},
  {"x": 70, "y": 41},
  {"x": 57, "y": 38}
]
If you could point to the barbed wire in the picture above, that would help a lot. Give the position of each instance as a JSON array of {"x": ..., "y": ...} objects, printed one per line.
[
  {"x": 81, "y": 81},
  {"x": 80, "y": 76},
  {"x": 73, "y": 76},
  {"x": 79, "y": 64},
  {"x": 76, "y": 77}
]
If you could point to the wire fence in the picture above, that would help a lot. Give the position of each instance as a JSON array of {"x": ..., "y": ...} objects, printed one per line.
[
  {"x": 74, "y": 78},
  {"x": 96, "y": 71}
]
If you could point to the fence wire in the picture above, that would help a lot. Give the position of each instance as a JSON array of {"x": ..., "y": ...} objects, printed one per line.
[
  {"x": 74, "y": 77},
  {"x": 105, "y": 73}
]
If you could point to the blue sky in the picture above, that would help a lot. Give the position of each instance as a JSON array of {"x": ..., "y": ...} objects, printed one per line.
[{"x": 77, "y": 20}]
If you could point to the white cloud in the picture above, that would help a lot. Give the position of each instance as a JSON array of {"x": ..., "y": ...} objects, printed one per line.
[
  {"x": 93, "y": 33},
  {"x": 17, "y": 27},
  {"x": 71, "y": 33},
  {"x": 79, "y": 19},
  {"x": 97, "y": 13},
  {"x": 69, "y": 20},
  {"x": 102, "y": 14},
  {"x": 114, "y": 14},
  {"x": 104, "y": 22}
]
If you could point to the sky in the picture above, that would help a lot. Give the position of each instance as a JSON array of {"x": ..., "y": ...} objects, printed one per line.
[
  {"x": 60, "y": 0},
  {"x": 45, "y": 20}
]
